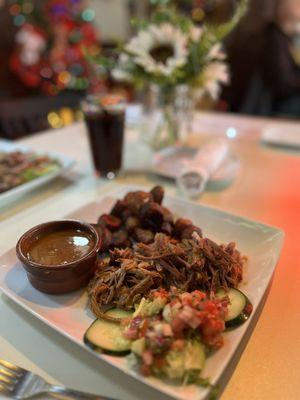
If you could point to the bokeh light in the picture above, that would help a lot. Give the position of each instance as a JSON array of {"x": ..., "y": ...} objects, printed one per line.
[
  {"x": 15, "y": 9},
  {"x": 231, "y": 132},
  {"x": 19, "y": 20},
  {"x": 67, "y": 116},
  {"x": 64, "y": 77},
  {"x": 198, "y": 14},
  {"x": 54, "y": 120},
  {"x": 27, "y": 8},
  {"x": 88, "y": 15},
  {"x": 94, "y": 50},
  {"x": 46, "y": 73}
]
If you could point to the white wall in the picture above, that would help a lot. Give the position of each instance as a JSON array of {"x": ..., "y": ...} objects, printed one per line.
[{"x": 112, "y": 19}]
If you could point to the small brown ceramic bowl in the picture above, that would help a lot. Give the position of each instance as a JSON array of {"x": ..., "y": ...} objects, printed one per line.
[{"x": 64, "y": 278}]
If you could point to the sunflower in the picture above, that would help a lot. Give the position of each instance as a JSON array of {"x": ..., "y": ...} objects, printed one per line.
[{"x": 159, "y": 49}]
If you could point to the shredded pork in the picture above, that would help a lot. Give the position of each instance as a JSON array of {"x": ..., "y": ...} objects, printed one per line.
[{"x": 188, "y": 264}]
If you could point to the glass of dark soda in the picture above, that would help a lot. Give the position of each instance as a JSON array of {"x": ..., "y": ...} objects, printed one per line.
[{"x": 105, "y": 120}]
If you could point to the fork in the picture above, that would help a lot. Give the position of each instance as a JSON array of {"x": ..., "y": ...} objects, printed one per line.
[{"x": 18, "y": 383}]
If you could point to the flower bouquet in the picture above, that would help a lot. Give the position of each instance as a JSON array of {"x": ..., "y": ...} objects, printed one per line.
[{"x": 179, "y": 60}]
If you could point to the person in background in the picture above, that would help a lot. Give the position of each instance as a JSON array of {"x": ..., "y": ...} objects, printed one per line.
[
  {"x": 264, "y": 59},
  {"x": 281, "y": 61},
  {"x": 244, "y": 48}
]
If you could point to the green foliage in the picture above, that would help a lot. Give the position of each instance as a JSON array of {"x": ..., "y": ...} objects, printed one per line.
[
  {"x": 159, "y": 2},
  {"x": 164, "y": 15},
  {"x": 222, "y": 30}
]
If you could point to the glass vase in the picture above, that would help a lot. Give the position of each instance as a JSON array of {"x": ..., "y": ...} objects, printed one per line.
[{"x": 170, "y": 115}]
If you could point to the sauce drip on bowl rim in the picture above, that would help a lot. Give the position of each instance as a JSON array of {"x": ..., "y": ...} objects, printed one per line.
[{"x": 61, "y": 247}]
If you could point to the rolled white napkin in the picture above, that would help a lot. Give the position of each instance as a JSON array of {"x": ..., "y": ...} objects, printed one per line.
[{"x": 197, "y": 171}]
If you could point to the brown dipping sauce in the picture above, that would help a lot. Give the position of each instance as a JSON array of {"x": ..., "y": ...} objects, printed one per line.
[{"x": 61, "y": 247}]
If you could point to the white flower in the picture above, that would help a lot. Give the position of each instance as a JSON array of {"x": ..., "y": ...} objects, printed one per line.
[
  {"x": 195, "y": 33},
  {"x": 120, "y": 75},
  {"x": 159, "y": 49},
  {"x": 213, "y": 75},
  {"x": 120, "y": 72},
  {"x": 216, "y": 53}
]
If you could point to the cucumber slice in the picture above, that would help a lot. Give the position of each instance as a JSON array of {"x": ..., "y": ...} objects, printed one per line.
[
  {"x": 118, "y": 313},
  {"x": 106, "y": 336},
  {"x": 115, "y": 315},
  {"x": 239, "y": 309}
]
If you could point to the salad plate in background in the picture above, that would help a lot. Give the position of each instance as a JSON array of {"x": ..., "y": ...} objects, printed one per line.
[
  {"x": 30, "y": 177},
  {"x": 69, "y": 315}
]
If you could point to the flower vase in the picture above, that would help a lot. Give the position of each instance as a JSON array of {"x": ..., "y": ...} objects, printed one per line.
[{"x": 170, "y": 115}]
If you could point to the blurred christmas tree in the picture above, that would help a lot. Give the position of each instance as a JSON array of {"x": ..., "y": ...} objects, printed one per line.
[{"x": 50, "y": 44}]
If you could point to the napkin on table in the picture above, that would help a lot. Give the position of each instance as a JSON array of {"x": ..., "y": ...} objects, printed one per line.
[{"x": 196, "y": 172}]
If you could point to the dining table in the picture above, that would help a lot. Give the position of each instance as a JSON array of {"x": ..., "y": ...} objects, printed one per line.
[{"x": 266, "y": 188}]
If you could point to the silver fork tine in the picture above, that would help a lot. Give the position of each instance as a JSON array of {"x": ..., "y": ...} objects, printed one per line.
[
  {"x": 19, "y": 383},
  {"x": 9, "y": 374},
  {"x": 11, "y": 367},
  {"x": 4, "y": 379}
]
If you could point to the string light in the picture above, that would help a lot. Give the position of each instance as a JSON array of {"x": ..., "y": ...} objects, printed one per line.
[
  {"x": 67, "y": 116},
  {"x": 54, "y": 120},
  {"x": 64, "y": 77},
  {"x": 198, "y": 14},
  {"x": 19, "y": 20},
  {"x": 27, "y": 8},
  {"x": 46, "y": 73},
  {"x": 94, "y": 50},
  {"x": 77, "y": 69},
  {"x": 63, "y": 117},
  {"x": 15, "y": 9},
  {"x": 88, "y": 15}
]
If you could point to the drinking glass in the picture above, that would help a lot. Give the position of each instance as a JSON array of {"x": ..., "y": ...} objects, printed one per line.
[{"x": 105, "y": 120}]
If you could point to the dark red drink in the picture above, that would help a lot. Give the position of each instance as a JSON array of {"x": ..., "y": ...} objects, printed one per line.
[{"x": 105, "y": 123}]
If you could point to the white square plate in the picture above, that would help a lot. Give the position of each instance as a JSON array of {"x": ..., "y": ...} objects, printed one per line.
[
  {"x": 69, "y": 315},
  {"x": 65, "y": 164}
]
